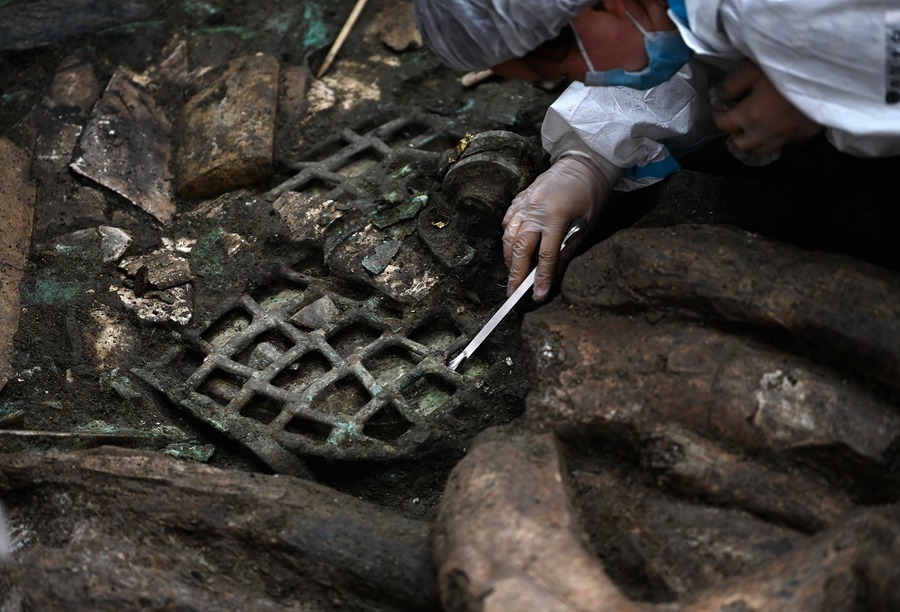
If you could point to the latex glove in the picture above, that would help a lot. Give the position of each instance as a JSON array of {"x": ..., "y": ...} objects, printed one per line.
[
  {"x": 539, "y": 216},
  {"x": 760, "y": 118}
]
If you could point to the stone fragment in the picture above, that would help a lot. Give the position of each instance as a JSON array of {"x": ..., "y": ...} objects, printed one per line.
[
  {"x": 164, "y": 268},
  {"x": 317, "y": 315},
  {"x": 113, "y": 242},
  {"x": 17, "y": 195},
  {"x": 173, "y": 68},
  {"x": 228, "y": 129},
  {"x": 125, "y": 147},
  {"x": 105, "y": 243},
  {"x": 73, "y": 90},
  {"x": 396, "y": 27}
]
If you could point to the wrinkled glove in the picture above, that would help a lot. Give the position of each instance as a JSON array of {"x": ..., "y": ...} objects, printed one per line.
[{"x": 539, "y": 216}]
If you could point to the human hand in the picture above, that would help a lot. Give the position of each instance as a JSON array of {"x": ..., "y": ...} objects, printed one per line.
[
  {"x": 540, "y": 215},
  {"x": 761, "y": 120}
]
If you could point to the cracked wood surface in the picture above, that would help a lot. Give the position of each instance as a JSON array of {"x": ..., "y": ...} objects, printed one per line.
[
  {"x": 16, "y": 217},
  {"x": 110, "y": 527}
]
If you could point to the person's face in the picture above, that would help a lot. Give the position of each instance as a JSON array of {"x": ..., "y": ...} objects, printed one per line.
[{"x": 610, "y": 40}]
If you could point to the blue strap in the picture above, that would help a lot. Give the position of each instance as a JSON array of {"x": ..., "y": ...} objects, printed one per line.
[
  {"x": 656, "y": 170},
  {"x": 680, "y": 10}
]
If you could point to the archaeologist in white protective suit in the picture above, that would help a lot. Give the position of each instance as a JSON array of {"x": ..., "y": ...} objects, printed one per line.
[{"x": 643, "y": 71}]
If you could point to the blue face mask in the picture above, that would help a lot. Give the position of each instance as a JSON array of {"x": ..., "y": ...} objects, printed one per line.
[{"x": 667, "y": 52}]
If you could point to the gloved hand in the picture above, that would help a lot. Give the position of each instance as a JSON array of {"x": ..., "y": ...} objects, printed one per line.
[
  {"x": 761, "y": 120},
  {"x": 538, "y": 217}
]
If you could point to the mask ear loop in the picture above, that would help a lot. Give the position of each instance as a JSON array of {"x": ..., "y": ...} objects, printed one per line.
[
  {"x": 582, "y": 50},
  {"x": 637, "y": 24}
]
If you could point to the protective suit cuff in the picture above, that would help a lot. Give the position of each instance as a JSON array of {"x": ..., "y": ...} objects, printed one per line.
[
  {"x": 644, "y": 176},
  {"x": 612, "y": 172}
]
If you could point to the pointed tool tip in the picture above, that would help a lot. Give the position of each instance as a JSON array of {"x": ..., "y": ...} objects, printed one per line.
[{"x": 457, "y": 361}]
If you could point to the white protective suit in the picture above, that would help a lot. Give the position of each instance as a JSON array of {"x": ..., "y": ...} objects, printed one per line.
[{"x": 838, "y": 61}]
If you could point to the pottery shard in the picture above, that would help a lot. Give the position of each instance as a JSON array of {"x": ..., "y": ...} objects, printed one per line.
[{"x": 228, "y": 129}]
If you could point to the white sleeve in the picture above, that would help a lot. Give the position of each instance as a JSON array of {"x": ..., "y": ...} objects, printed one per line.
[
  {"x": 868, "y": 145},
  {"x": 640, "y": 132},
  {"x": 836, "y": 61}
]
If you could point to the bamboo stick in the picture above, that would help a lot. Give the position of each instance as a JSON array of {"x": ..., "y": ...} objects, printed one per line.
[{"x": 342, "y": 36}]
